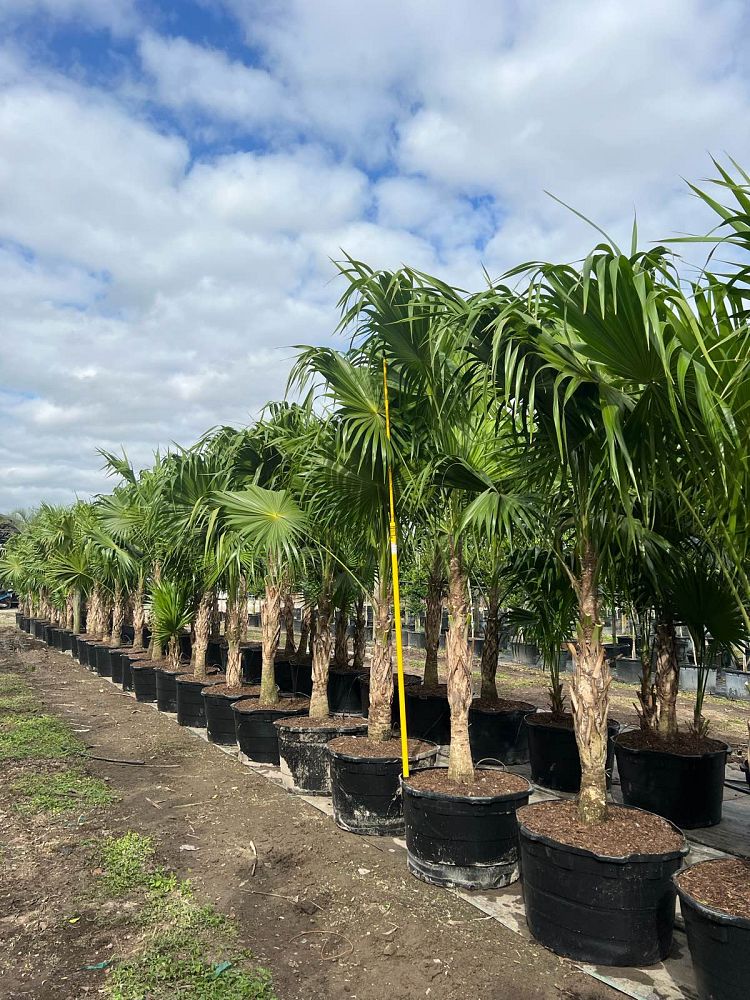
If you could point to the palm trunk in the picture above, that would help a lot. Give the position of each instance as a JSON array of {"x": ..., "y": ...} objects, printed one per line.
[
  {"x": 118, "y": 617},
  {"x": 360, "y": 634},
  {"x": 381, "y": 671},
  {"x": 155, "y": 649},
  {"x": 202, "y": 628},
  {"x": 491, "y": 647},
  {"x": 173, "y": 652},
  {"x": 648, "y": 705},
  {"x": 304, "y": 633},
  {"x": 589, "y": 694},
  {"x": 667, "y": 677},
  {"x": 433, "y": 619},
  {"x": 270, "y": 623},
  {"x": 233, "y": 632},
  {"x": 215, "y": 618},
  {"x": 319, "y": 707},
  {"x": 139, "y": 616},
  {"x": 460, "y": 766},
  {"x": 94, "y": 616},
  {"x": 77, "y": 612},
  {"x": 288, "y": 614},
  {"x": 311, "y": 635},
  {"x": 341, "y": 646}
]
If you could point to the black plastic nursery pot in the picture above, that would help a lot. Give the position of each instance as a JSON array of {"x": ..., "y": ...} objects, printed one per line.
[
  {"x": 19, "y": 617},
  {"x": 614, "y": 911},
  {"x": 74, "y": 645},
  {"x": 104, "y": 661},
  {"x": 553, "y": 753},
  {"x": 410, "y": 681},
  {"x": 499, "y": 733},
  {"x": 144, "y": 680},
  {"x": 117, "y": 656},
  {"x": 687, "y": 789},
  {"x": 344, "y": 697},
  {"x": 366, "y": 790},
  {"x": 127, "y": 660},
  {"x": 22, "y": 622},
  {"x": 83, "y": 650},
  {"x": 166, "y": 689},
  {"x": 293, "y": 676},
  {"x": 191, "y": 705},
  {"x": 302, "y": 749},
  {"x": 219, "y": 715},
  {"x": 719, "y": 947},
  {"x": 428, "y": 715},
  {"x": 257, "y": 737},
  {"x": 470, "y": 842},
  {"x": 66, "y": 640}
]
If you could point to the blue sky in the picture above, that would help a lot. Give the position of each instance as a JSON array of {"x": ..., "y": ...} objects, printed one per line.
[{"x": 176, "y": 177}]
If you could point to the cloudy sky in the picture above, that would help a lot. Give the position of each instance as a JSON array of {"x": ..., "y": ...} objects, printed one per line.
[{"x": 176, "y": 175}]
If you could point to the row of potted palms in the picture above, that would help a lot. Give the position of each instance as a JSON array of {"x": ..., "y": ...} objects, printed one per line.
[{"x": 566, "y": 431}]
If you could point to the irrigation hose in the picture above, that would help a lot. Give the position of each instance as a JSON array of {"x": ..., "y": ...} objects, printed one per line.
[{"x": 396, "y": 592}]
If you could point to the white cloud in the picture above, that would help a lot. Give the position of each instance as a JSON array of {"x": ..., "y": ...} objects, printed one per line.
[{"x": 119, "y": 15}]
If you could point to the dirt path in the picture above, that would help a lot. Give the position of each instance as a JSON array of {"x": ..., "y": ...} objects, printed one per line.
[{"x": 396, "y": 937}]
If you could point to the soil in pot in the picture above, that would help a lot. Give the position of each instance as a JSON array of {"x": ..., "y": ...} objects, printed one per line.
[
  {"x": 410, "y": 681},
  {"x": 166, "y": 687},
  {"x": 365, "y": 776},
  {"x": 604, "y": 893},
  {"x": 144, "y": 678},
  {"x": 218, "y": 699},
  {"x": 715, "y": 904},
  {"x": 257, "y": 737},
  {"x": 463, "y": 835},
  {"x": 428, "y": 715},
  {"x": 303, "y": 753},
  {"x": 680, "y": 778},
  {"x": 191, "y": 705},
  {"x": 553, "y": 751},
  {"x": 496, "y": 730}
]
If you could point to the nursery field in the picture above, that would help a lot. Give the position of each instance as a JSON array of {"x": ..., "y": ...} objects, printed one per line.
[{"x": 95, "y": 856}]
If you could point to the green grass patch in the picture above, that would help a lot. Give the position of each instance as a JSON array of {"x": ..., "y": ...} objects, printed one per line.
[
  {"x": 66, "y": 791},
  {"x": 171, "y": 966},
  {"x": 39, "y": 737},
  {"x": 127, "y": 862},
  {"x": 16, "y": 697}
]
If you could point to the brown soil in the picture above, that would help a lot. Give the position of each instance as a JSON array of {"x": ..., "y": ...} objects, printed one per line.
[
  {"x": 167, "y": 668},
  {"x": 240, "y": 691},
  {"x": 723, "y": 884},
  {"x": 486, "y": 783},
  {"x": 361, "y": 746},
  {"x": 624, "y": 832},
  {"x": 147, "y": 664},
  {"x": 209, "y": 680},
  {"x": 682, "y": 744},
  {"x": 344, "y": 722},
  {"x": 283, "y": 705},
  {"x": 441, "y": 691},
  {"x": 501, "y": 705},
  {"x": 557, "y": 721},
  {"x": 311, "y": 883}
]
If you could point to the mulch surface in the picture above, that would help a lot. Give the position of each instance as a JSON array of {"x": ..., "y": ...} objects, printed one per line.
[
  {"x": 624, "y": 832},
  {"x": 486, "y": 783},
  {"x": 282, "y": 705},
  {"x": 333, "y": 722},
  {"x": 440, "y": 691},
  {"x": 220, "y": 690},
  {"x": 682, "y": 744},
  {"x": 311, "y": 889},
  {"x": 501, "y": 705},
  {"x": 361, "y": 746},
  {"x": 723, "y": 884}
]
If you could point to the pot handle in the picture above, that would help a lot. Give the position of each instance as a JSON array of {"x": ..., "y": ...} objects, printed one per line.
[{"x": 492, "y": 760}]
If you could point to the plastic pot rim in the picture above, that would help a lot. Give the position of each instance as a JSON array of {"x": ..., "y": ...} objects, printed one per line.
[
  {"x": 278, "y": 707},
  {"x": 424, "y": 755},
  {"x": 316, "y": 726},
  {"x": 717, "y": 916},
  {"x": 424, "y": 793},
  {"x": 644, "y": 751},
  {"x": 613, "y": 726},
  {"x": 622, "y": 859},
  {"x": 494, "y": 712}
]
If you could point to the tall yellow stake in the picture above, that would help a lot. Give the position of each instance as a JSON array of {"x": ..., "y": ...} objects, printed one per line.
[{"x": 396, "y": 592}]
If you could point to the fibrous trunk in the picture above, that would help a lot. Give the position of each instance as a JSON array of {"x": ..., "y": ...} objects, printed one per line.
[
  {"x": 341, "y": 646},
  {"x": 433, "y": 618},
  {"x": 118, "y": 616},
  {"x": 139, "y": 615},
  {"x": 667, "y": 677},
  {"x": 289, "y": 644},
  {"x": 304, "y": 634},
  {"x": 381, "y": 671},
  {"x": 233, "y": 632},
  {"x": 77, "y": 608},
  {"x": 215, "y": 618},
  {"x": 460, "y": 766},
  {"x": 491, "y": 647},
  {"x": 648, "y": 705},
  {"x": 202, "y": 628},
  {"x": 360, "y": 634},
  {"x": 270, "y": 623},
  {"x": 321, "y": 654},
  {"x": 311, "y": 635},
  {"x": 589, "y": 695}
]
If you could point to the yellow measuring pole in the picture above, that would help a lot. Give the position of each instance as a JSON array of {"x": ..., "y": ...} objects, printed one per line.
[{"x": 396, "y": 592}]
